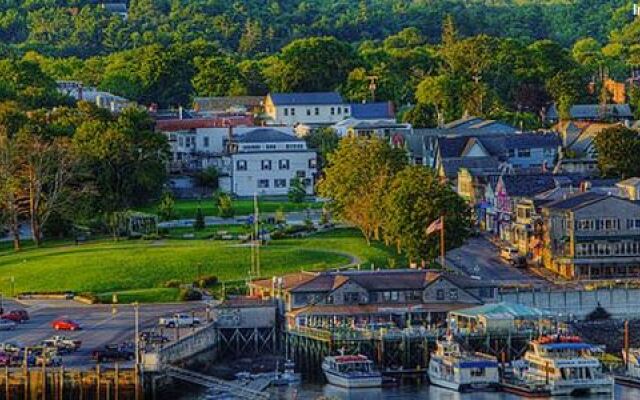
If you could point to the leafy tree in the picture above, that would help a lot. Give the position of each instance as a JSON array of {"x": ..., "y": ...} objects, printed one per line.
[
  {"x": 208, "y": 178},
  {"x": 198, "y": 223},
  {"x": 416, "y": 198},
  {"x": 217, "y": 76},
  {"x": 166, "y": 207},
  {"x": 324, "y": 141},
  {"x": 297, "y": 191},
  {"x": 356, "y": 180},
  {"x": 225, "y": 205},
  {"x": 618, "y": 149}
]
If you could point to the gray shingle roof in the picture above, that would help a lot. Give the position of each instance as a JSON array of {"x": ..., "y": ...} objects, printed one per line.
[
  {"x": 594, "y": 111},
  {"x": 486, "y": 165},
  {"x": 266, "y": 135},
  {"x": 577, "y": 200},
  {"x": 497, "y": 145},
  {"x": 528, "y": 185},
  {"x": 314, "y": 98}
]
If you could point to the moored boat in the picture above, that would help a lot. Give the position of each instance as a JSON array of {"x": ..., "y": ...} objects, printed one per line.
[
  {"x": 355, "y": 371},
  {"x": 566, "y": 366},
  {"x": 454, "y": 369}
]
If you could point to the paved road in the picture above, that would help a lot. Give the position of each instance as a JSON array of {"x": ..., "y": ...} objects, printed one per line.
[
  {"x": 99, "y": 326},
  {"x": 479, "y": 257}
]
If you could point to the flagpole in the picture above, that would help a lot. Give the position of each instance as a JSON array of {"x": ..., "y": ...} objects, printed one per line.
[{"x": 442, "y": 243}]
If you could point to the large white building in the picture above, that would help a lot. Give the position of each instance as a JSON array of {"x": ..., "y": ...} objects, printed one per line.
[
  {"x": 318, "y": 108},
  {"x": 265, "y": 161}
]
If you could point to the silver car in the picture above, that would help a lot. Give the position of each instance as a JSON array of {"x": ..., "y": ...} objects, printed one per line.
[{"x": 6, "y": 325}]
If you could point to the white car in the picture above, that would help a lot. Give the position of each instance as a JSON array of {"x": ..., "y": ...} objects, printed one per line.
[
  {"x": 6, "y": 325},
  {"x": 179, "y": 320}
]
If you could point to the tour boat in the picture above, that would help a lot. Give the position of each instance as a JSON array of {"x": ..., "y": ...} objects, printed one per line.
[
  {"x": 566, "y": 366},
  {"x": 631, "y": 376},
  {"x": 351, "y": 371},
  {"x": 454, "y": 369}
]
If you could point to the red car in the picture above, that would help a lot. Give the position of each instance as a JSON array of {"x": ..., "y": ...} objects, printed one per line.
[
  {"x": 17, "y": 316},
  {"x": 65, "y": 325}
]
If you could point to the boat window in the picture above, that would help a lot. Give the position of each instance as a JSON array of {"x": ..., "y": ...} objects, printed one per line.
[
  {"x": 588, "y": 373},
  {"x": 477, "y": 371},
  {"x": 563, "y": 373}
]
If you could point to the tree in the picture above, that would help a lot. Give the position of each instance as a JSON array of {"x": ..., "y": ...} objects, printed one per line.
[
  {"x": 297, "y": 191},
  {"x": 10, "y": 183},
  {"x": 618, "y": 151},
  {"x": 208, "y": 178},
  {"x": 217, "y": 76},
  {"x": 166, "y": 207},
  {"x": 416, "y": 198},
  {"x": 356, "y": 180},
  {"x": 308, "y": 65},
  {"x": 198, "y": 223},
  {"x": 225, "y": 205},
  {"x": 324, "y": 141}
]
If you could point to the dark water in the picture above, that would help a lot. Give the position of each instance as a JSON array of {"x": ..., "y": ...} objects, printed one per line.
[{"x": 424, "y": 392}]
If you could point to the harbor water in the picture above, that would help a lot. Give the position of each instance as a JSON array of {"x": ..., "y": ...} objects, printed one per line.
[{"x": 422, "y": 392}]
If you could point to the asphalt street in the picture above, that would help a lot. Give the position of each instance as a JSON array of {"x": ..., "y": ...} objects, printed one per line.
[
  {"x": 99, "y": 325},
  {"x": 481, "y": 258}
]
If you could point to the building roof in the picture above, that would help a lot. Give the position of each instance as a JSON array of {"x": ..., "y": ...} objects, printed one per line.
[
  {"x": 380, "y": 110},
  {"x": 475, "y": 165},
  {"x": 528, "y": 185},
  {"x": 226, "y": 103},
  {"x": 576, "y": 201},
  {"x": 472, "y": 125},
  {"x": 594, "y": 111},
  {"x": 372, "y": 309},
  {"x": 496, "y": 145},
  {"x": 301, "y": 99},
  {"x": 246, "y": 302},
  {"x": 398, "y": 279},
  {"x": 266, "y": 135},
  {"x": 501, "y": 311},
  {"x": 174, "y": 125}
]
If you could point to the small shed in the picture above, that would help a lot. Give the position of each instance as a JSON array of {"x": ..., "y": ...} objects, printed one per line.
[{"x": 498, "y": 317}]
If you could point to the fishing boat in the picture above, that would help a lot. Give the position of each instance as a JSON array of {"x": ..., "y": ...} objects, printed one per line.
[
  {"x": 454, "y": 369},
  {"x": 355, "y": 371},
  {"x": 566, "y": 366}
]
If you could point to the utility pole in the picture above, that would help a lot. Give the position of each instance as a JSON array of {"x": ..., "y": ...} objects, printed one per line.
[
  {"x": 137, "y": 349},
  {"x": 255, "y": 248},
  {"x": 373, "y": 85}
]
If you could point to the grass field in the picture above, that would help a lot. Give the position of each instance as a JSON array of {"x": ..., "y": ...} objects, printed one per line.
[
  {"x": 187, "y": 208},
  {"x": 139, "y": 268}
]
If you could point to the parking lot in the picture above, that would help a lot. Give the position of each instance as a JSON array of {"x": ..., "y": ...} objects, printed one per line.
[{"x": 99, "y": 325}]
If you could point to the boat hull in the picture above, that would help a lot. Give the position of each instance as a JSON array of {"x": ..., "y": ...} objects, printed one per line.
[
  {"x": 465, "y": 387},
  {"x": 353, "y": 382},
  {"x": 572, "y": 390}
]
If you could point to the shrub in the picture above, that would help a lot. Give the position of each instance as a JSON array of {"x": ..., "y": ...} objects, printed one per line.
[
  {"x": 151, "y": 236},
  {"x": 172, "y": 283},
  {"x": 207, "y": 280},
  {"x": 189, "y": 295}
]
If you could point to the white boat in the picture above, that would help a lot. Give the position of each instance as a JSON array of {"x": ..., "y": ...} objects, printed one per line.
[
  {"x": 566, "y": 366},
  {"x": 454, "y": 369},
  {"x": 288, "y": 376},
  {"x": 351, "y": 372}
]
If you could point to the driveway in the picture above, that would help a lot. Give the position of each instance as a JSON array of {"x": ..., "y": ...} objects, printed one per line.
[{"x": 479, "y": 257}]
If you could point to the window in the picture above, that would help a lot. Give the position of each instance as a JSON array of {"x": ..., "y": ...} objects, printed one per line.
[
  {"x": 294, "y": 146},
  {"x": 301, "y": 174},
  {"x": 440, "y": 294},
  {"x": 263, "y": 183},
  {"x": 205, "y": 141},
  {"x": 333, "y": 111},
  {"x": 241, "y": 165},
  {"x": 453, "y": 294},
  {"x": 172, "y": 137},
  {"x": 266, "y": 165},
  {"x": 313, "y": 163},
  {"x": 180, "y": 141},
  {"x": 511, "y": 153},
  {"x": 317, "y": 111},
  {"x": 339, "y": 110},
  {"x": 308, "y": 111},
  {"x": 477, "y": 371},
  {"x": 280, "y": 183},
  {"x": 283, "y": 164},
  {"x": 351, "y": 298},
  {"x": 524, "y": 153},
  {"x": 286, "y": 112},
  {"x": 270, "y": 146},
  {"x": 413, "y": 295},
  {"x": 346, "y": 110},
  {"x": 306, "y": 181},
  {"x": 293, "y": 112}
]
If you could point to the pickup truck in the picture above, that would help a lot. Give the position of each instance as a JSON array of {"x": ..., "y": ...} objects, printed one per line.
[
  {"x": 179, "y": 320},
  {"x": 113, "y": 352},
  {"x": 62, "y": 343}
]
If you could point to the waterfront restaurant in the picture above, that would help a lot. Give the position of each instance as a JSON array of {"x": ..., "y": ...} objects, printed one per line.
[{"x": 500, "y": 317}]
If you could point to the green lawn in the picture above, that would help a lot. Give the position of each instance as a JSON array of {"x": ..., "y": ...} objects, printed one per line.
[
  {"x": 135, "y": 266},
  {"x": 187, "y": 208}
]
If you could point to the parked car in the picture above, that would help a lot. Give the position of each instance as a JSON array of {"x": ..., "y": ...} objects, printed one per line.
[
  {"x": 179, "y": 320},
  {"x": 47, "y": 357},
  {"x": 17, "y": 316},
  {"x": 113, "y": 352},
  {"x": 64, "y": 324},
  {"x": 153, "y": 337},
  {"x": 10, "y": 347},
  {"x": 519, "y": 261},
  {"x": 508, "y": 253},
  {"x": 7, "y": 325},
  {"x": 62, "y": 344}
]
